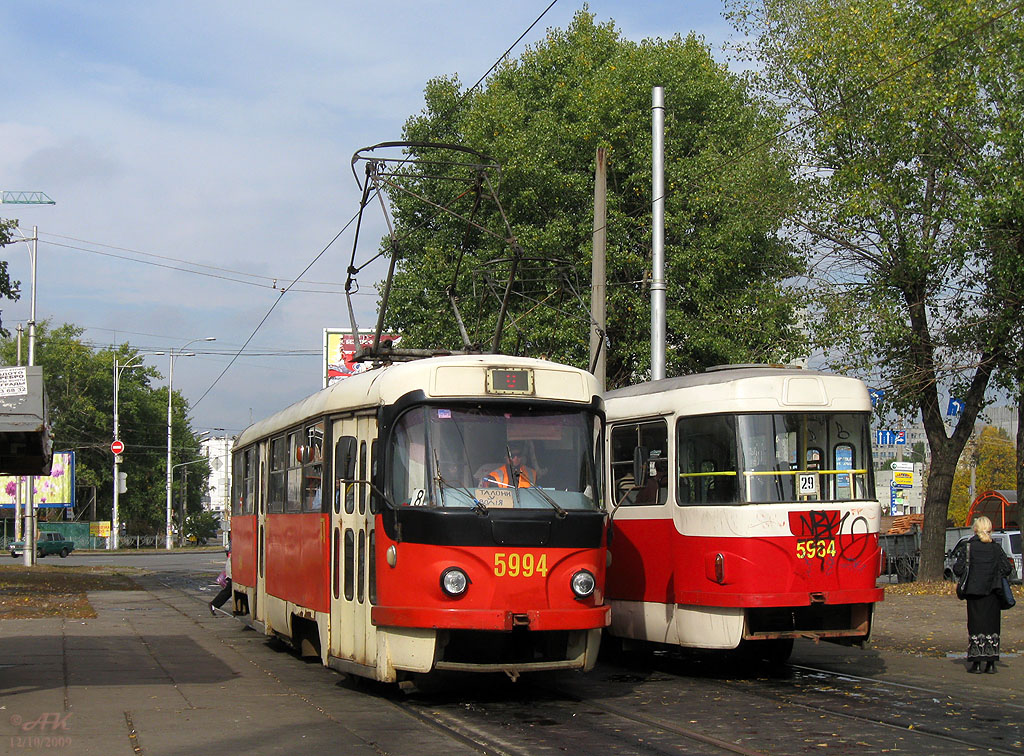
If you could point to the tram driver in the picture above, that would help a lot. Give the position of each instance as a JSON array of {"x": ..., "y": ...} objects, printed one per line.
[{"x": 513, "y": 474}]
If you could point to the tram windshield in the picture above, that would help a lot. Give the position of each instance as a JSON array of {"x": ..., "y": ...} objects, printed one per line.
[
  {"x": 484, "y": 458},
  {"x": 757, "y": 458}
]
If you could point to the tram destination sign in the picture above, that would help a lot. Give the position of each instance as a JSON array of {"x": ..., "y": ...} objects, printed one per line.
[{"x": 508, "y": 381}]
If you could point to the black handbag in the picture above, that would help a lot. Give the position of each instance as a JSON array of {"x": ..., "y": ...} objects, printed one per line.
[
  {"x": 1006, "y": 599},
  {"x": 961, "y": 584}
]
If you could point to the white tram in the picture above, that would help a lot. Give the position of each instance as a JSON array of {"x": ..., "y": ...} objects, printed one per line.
[{"x": 744, "y": 510}]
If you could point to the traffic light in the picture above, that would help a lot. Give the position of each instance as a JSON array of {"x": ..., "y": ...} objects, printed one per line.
[{"x": 122, "y": 482}]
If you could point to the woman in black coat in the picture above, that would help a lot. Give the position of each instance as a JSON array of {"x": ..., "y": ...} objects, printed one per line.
[{"x": 986, "y": 566}]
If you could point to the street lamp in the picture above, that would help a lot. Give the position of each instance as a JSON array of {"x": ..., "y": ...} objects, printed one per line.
[
  {"x": 184, "y": 494},
  {"x": 179, "y": 352},
  {"x": 112, "y": 542}
]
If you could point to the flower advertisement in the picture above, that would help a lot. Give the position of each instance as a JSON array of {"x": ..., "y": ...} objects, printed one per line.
[{"x": 54, "y": 490}]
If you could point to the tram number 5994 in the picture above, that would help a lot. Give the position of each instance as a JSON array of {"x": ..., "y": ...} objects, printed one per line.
[
  {"x": 812, "y": 549},
  {"x": 514, "y": 564}
]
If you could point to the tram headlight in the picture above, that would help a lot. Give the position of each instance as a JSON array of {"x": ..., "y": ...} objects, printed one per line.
[
  {"x": 454, "y": 582},
  {"x": 583, "y": 584}
]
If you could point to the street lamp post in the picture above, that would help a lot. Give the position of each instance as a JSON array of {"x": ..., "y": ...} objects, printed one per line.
[
  {"x": 184, "y": 494},
  {"x": 115, "y": 529},
  {"x": 179, "y": 352}
]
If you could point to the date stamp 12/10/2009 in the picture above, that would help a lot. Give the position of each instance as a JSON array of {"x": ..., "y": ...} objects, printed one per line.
[{"x": 49, "y": 730}]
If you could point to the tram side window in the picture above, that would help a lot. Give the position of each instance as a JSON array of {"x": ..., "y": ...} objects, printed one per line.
[
  {"x": 278, "y": 471},
  {"x": 313, "y": 468},
  {"x": 706, "y": 460},
  {"x": 650, "y": 441},
  {"x": 293, "y": 501},
  {"x": 238, "y": 484},
  {"x": 249, "y": 505}
]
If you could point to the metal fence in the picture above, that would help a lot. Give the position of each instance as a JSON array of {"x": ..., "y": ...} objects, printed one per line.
[{"x": 96, "y": 542}]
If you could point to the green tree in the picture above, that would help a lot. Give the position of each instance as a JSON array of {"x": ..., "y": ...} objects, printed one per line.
[
  {"x": 897, "y": 115},
  {"x": 542, "y": 117},
  {"x": 991, "y": 454},
  {"x": 79, "y": 383},
  {"x": 8, "y": 289},
  {"x": 200, "y": 527}
]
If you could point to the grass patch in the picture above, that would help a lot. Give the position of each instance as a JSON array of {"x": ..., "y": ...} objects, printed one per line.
[{"x": 45, "y": 591}]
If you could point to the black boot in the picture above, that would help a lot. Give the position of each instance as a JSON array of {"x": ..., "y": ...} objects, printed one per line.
[
  {"x": 975, "y": 668},
  {"x": 990, "y": 667}
]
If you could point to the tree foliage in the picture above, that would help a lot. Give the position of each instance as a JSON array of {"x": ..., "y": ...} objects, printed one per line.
[
  {"x": 8, "y": 289},
  {"x": 906, "y": 117},
  {"x": 542, "y": 117},
  {"x": 991, "y": 454},
  {"x": 79, "y": 382}
]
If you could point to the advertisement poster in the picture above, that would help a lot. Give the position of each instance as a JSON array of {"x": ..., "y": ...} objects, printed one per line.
[
  {"x": 339, "y": 349},
  {"x": 54, "y": 490}
]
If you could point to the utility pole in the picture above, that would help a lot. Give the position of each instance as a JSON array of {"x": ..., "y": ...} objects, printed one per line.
[
  {"x": 598, "y": 278},
  {"x": 658, "y": 285}
]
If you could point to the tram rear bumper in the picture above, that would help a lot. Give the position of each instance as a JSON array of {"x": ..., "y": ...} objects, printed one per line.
[{"x": 582, "y": 618}]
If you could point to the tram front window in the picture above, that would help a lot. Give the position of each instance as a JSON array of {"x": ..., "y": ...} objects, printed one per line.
[
  {"x": 763, "y": 458},
  {"x": 483, "y": 458}
]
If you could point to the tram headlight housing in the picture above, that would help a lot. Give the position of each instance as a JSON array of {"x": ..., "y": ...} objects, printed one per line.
[
  {"x": 583, "y": 584},
  {"x": 454, "y": 582}
]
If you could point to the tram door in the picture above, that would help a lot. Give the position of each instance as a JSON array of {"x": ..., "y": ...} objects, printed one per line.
[{"x": 353, "y": 637}]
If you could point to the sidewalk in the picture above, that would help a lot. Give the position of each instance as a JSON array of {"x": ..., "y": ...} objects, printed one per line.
[{"x": 154, "y": 673}]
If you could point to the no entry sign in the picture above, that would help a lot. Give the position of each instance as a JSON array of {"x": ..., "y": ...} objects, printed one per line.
[{"x": 117, "y": 447}]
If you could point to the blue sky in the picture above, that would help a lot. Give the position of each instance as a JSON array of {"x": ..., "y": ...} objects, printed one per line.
[{"x": 221, "y": 133}]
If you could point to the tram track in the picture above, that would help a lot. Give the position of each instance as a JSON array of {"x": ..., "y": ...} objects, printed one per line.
[
  {"x": 540, "y": 718},
  {"x": 828, "y": 707},
  {"x": 667, "y": 705}
]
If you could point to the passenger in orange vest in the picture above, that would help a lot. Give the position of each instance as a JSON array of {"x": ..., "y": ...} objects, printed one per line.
[{"x": 513, "y": 470}]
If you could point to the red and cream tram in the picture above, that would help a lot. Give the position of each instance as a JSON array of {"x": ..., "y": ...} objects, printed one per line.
[
  {"x": 437, "y": 514},
  {"x": 744, "y": 510}
]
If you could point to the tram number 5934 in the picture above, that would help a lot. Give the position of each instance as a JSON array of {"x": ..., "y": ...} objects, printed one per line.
[
  {"x": 514, "y": 564},
  {"x": 812, "y": 549}
]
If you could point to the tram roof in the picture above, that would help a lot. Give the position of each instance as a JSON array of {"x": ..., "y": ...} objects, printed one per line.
[
  {"x": 742, "y": 388},
  {"x": 387, "y": 383}
]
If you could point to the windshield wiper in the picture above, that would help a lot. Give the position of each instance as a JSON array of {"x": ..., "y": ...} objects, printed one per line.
[
  {"x": 562, "y": 514},
  {"x": 478, "y": 505}
]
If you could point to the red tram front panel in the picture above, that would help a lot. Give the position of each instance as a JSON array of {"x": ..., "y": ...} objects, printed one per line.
[
  {"x": 508, "y": 587},
  {"x": 789, "y": 558}
]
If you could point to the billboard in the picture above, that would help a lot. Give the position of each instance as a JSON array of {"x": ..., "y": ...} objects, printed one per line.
[
  {"x": 54, "y": 490},
  {"x": 340, "y": 348}
]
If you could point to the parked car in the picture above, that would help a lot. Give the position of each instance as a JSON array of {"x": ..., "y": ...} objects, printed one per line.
[
  {"x": 47, "y": 543},
  {"x": 1010, "y": 540}
]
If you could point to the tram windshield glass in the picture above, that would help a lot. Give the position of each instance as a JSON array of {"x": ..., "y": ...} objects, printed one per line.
[
  {"x": 758, "y": 458},
  {"x": 484, "y": 457}
]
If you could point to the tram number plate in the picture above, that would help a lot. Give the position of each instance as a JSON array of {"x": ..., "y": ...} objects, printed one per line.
[
  {"x": 808, "y": 484},
  {"x": 516, "y": 564},
  {"x": 815, "y": 549}
]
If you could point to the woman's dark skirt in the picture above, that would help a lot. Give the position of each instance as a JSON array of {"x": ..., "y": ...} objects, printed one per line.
[{"x": 983, "y": 627}]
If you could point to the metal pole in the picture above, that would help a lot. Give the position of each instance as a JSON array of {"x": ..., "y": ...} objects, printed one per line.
[
  {"x": 17, "y": 498},
  {"x": 30, "y": 513},
  {"x": 658, "y": 286},
  {"x": 170, "y": 396},
  {"x": 112, "y": 542},
  {"x": 598, "y": 343}
]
